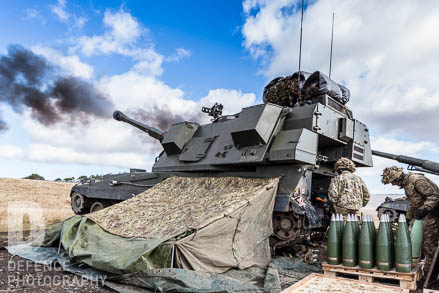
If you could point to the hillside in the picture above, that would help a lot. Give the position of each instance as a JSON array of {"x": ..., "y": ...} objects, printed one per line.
[{"x": 52, "y": 197}]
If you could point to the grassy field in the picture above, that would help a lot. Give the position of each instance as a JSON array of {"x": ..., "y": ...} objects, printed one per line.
[{"x": 51, "y": 198}]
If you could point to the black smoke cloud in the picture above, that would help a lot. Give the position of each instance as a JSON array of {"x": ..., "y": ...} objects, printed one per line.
[
  {"x": 161, "y": 118},
  {"x": 3, "y": 125},
  {"x": 30, "y": 82}
]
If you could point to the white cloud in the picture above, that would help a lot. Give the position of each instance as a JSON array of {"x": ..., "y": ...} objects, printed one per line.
[
  {"x": 102, "y": 142},
  {"x": 8, "y": 151},
  {"x": 179, "y": 54},
  {"x": 136, "y": 90},
  {"x": 123, "y": 35},
  {"x": 71, "y": 63},
  {"x": 59, "y": 10},
  {"x": 232, "y": 100},
  {"x": 33, "y": 14},
  {"x": 123, "y": 30},
  {"x": 80, "y": 22},
  {"x": 70, "y": 18},
  {"x": 49, "y": 153}
]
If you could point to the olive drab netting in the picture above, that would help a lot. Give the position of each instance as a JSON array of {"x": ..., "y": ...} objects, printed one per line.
[{"x": 285, "y": 91}]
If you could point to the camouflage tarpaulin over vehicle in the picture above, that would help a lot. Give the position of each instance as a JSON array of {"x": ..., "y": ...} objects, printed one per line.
[
  {"x": 204, "y": 224},
  {"x": 226, "y": 221}
]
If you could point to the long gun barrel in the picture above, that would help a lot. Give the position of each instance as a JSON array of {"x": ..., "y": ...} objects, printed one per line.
[
  {"x": 424, "y": 165},
  {"x": 153, "y": 132}
]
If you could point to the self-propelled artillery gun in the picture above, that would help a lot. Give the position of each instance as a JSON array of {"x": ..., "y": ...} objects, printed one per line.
[{"x": 298, "y": 143}]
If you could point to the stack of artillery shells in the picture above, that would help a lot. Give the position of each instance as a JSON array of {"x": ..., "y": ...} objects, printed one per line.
[{"x": 178, "y": 205}]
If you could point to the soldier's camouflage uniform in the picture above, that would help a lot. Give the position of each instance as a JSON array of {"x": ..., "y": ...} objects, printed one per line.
[
  {"x": 423, "y": 193},
  {"x": 348, "y": 193}
]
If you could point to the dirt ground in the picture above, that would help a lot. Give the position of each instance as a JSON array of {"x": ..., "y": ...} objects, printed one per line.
[{"x": 20, "y": 275}]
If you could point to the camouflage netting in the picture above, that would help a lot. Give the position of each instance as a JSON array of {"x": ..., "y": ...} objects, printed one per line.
[
  {"x": 284, "y": 91},
  {"x": 204, "y": 224},
  {"x": 177, "y": 205}
]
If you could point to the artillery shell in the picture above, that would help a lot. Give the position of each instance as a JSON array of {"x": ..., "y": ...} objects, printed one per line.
[
  {"x": 368, "y": 221},
  {"x": 403, "y": 248},
  {"x": 383, "y": 247},
  {"x": 389, "y": 224},
  {"x": 417, "y": 237},
  {"x": 356, "y": 226},
  {"x": 333, "y": 250},
  {"x": 365, "y": 246},
  {"x": 349, "y": 244}
]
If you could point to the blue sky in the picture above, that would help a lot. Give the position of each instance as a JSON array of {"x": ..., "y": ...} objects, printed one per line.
[
  {"x": 180, "y": 55},
  {"x": 209, "y": 29}
]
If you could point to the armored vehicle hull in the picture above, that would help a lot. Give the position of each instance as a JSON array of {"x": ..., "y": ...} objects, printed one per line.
[
  {"x": 98, "y": 194},
  {"x": 393, "y": 208}
]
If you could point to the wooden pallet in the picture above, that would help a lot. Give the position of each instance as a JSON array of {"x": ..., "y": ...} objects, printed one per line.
[
  {"x": 323, "y": 283},
  {"x": 406, "y": 280}
]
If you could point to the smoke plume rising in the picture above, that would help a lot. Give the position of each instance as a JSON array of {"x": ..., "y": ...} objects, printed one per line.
[
  {"x": 30, "y": 82},
  {"x": 3, "y": 126},
  {"x": 162, "y": 117}
]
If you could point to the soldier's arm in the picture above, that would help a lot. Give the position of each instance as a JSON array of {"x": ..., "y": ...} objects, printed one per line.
[
  {"x": 333, "y": 191},
  {"x": 410, "y": 214},
  {"x": 430, "y": 193},
  {"x": 366, "y": 193}
]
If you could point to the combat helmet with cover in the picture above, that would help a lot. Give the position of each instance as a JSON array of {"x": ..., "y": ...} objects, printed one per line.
[
  {"x": 390, "y": 174},
  {"x": 344, "y": 163}
]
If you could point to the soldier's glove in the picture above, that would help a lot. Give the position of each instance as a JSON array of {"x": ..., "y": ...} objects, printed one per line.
[{"x": 421, "y": 213}]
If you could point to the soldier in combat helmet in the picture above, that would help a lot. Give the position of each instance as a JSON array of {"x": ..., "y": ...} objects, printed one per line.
[
  {"x": 347, "y": 191},
  {"x": 424, "y": 199}
]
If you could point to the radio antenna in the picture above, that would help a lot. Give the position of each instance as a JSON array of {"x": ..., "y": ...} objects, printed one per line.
[
  {"x": 300, "y": 51},
  {"x": 332, "y": 42},
  {"x": 300, "y": 45}
]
